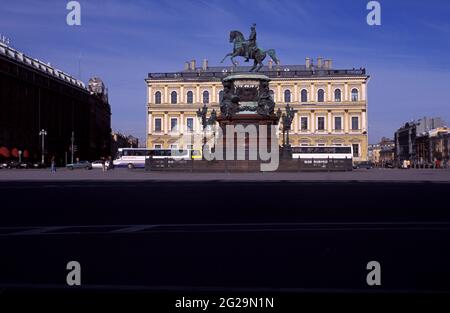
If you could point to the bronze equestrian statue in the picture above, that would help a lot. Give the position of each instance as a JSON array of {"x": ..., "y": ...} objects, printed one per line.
[{"x": 249, "y": 50}]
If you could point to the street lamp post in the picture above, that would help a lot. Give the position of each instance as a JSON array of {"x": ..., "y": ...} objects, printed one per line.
[
  {"x": 72, "y": 139},
  {"x": 43, "y": 133},
  {"x": 201, "y": 113}
]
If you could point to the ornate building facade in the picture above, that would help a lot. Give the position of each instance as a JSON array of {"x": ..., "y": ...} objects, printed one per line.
[
  {"x": 36, "y": 96},
  {"x": 331, "y": 104}
]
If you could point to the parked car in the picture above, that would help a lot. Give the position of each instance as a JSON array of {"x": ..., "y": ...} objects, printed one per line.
[
  {"x": 11, "y": 164},
  {"x": 98, "y": 164},
  {"x": 80, "y": 165},
  {"x": 38, "y": 165},
  {"x": 24, "y": 165},
  {"x": 366, "y": 165}
]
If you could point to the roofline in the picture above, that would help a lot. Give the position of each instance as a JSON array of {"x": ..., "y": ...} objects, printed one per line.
[{"x": 35, "y": 64}]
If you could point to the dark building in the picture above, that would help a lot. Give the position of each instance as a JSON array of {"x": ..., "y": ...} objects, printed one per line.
[
  {"x": 119, "y": 140},
  {"x": 421, "y": 142},
  {"x": 35, "y": 96}
]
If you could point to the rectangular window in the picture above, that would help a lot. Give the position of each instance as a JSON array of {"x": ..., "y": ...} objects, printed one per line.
[
  {"x": 355, "y": 150},
  {"x": 190, "y": 147},
  {"x": 174, "y": 146},
  {"x": 173, "y": 124},
  {"x": 157, "y": 124},
  {"x": 190, "y": 124},
  {"x": 355, "y": 123},
  {"x": 337, "y": 123},
  {"x": 157, "y": 146},
  {"x": 304, "y": 123},
  {"x": 321, "y": 123}
]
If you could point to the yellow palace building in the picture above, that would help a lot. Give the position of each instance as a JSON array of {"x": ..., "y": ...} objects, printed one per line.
[{"x": 331, "y": 103}]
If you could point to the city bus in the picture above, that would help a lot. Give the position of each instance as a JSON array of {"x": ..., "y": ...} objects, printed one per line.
[
  {"x": 322, "y": 152},
  {"x": 135, "y": 157},
  {"x": 324, "y": 157}
]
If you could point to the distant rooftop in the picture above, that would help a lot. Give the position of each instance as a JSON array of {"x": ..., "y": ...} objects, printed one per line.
[
  {"x": 206, "y": 72},
  {"x": 36, "y": 64}
]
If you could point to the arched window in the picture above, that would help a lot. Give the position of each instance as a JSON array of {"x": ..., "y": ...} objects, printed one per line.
[
  {"x": 205, "y": 96},
  {"x": 337, "y": 95},
  {"x": 190, "y": 97},
  {"x": 158, "y": 97},
  {"x": 272, "y": 94},
  {"x": 287, "y": 96},
  {"x": 304, "y": 95},
  {"x": 320, "y": 95},
  {"x": 173, "y": 97},
  {"x": 220, "y": 96},
  {"x": 355, "y": 94}
]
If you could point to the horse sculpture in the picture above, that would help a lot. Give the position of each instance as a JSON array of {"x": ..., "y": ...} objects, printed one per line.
[{"x": 242, "y": 48}]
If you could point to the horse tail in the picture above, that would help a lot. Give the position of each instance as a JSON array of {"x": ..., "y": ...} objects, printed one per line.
[{"x": 273, "y": 56}]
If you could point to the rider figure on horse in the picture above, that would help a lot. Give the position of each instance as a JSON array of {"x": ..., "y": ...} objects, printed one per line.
[{"x": 251, "y": 43}]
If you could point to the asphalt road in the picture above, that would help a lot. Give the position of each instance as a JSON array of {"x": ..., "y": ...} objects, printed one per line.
[
  {"x": 198, "y": 238},
  {"x": 225, "y": 236}
]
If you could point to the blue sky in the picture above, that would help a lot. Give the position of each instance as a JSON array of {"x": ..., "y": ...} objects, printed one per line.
[{"x": 408, "y": 56}]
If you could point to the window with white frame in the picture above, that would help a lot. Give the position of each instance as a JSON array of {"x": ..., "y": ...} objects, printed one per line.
[
  {"x": 337, "y": 95},
  {"x": 157, "y": 146},
  {"x": 174, "y": 124},
  {"x": 355, "y": 94},
  {"x": 173, "y": 146},
  {"x": 157, "y": 124},
  {"x": 337, "y": 123},
  {"x": 304, "y": 95},
  {"x": 355, "y": 122},
  {"x": 206, "y": 97},
  {"x": 190, "y": 97},
  {"x": 173, "y": 97},
  {"x": 287, "y": 96},
  {"x": 320, "y": 123},
  {"x": 190, "y": 124},
  {"x": 320, "y": 95},
  {"x": 158, "y": 97},
  {"x": 303, "y": 123}
]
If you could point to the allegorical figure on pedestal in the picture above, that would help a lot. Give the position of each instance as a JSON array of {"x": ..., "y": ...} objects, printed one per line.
[
  {"x": 229, "y": 105},
  {"x": 266, "y": 104}
]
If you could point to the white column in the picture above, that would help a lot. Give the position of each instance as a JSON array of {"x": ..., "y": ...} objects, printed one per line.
[
  {"x": 149, "y": 123},
  {"x": 363, "y": 92},
  {"x": 181, "y": 98},
  {"x": 166, "y": 95},
  {"x": 312, "y": 97},
  {"x": 346, "y": 122},
  {"x": 149, "y": 95},
  {"x": 345, "y": 92},
  {"x": 312, "y": 122},
  {"x": 329, "y": 92},
  {"x": 363, "y": 121},
  {"x": 166, "y": 123},
  {"x": 295, "y": 123},
  {"x": 214, "y": 96},
  {"x": 182, "y": 123},
  {"x": 330, "y": 129},
  {"x": 296, "y": 93},
  {"x": 198, "y": 100},
  {"x": 279, "y": 97}
]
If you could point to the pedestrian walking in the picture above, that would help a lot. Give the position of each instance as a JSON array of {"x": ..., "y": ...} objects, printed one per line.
[
  {"x": 110, "y": 163},
  {"x": 53, "y": 165}
]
